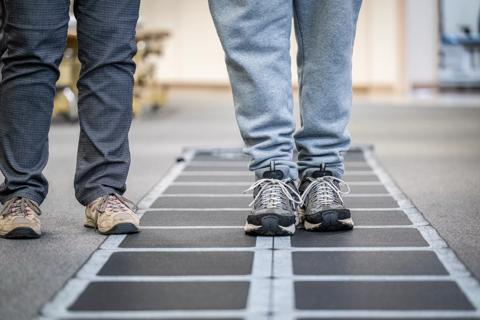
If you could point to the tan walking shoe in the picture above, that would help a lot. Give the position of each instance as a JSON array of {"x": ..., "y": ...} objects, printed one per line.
[
  {"x": 19, "y": 219},
  {"x": 112, "y": 214}
]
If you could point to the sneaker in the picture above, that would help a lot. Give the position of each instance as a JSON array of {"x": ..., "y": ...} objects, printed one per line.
[
  {"x": 112, "y": 214},
  {"x": 274, "y": 207},
  {"x": 19, "y": 219},
  {"x": 323, "y": 208}
]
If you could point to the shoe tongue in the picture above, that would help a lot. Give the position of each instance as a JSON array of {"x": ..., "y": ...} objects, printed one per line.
[
  {"x": 321, "y": 173},
  {"x": 273, "y": 174}
]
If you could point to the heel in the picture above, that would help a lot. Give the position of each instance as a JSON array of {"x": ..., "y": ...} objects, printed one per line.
[{"x": 269, "y": 225}]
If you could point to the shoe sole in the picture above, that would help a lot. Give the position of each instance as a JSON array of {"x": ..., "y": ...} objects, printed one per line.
[
  {"x": 268, "y": 225},
  {"x": 22, "y": 233},
  {"x": 122, "y": 228},
  {"x": 329, "y": 221}
]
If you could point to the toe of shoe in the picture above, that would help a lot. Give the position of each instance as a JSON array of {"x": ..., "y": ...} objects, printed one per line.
[{"x": 118, "y": 224}]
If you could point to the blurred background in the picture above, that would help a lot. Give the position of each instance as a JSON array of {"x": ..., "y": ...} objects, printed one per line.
[
  {"x": 416, "y": 84},
  {"x": 404, "y": 49},
  {"x": 400, "y": 45}
]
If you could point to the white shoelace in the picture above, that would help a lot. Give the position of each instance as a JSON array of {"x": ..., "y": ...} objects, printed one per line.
[
  {"x": 325, "y": 191},
  {"x": 271, "y": 191}
]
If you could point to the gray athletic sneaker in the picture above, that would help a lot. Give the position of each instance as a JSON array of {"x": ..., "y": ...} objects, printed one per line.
[
  {"x": 19, "y": 219},
  {"x": 323, "y": 208},
  {"x": 274, "y": 207}
]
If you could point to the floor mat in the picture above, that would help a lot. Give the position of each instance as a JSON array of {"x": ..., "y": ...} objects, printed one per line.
[{"x": 192, "y": 259}]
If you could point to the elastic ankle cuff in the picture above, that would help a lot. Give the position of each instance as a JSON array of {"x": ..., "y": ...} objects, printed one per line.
[
  {"x": 336, "y": 172},
  {"x": 288, "y": 173}
]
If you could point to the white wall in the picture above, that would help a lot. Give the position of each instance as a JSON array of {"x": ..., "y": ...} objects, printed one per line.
[
  {"x": 421, "y": 39},
  {"x": 193, "y": 53},
  {"x": 377, "y": 53}
]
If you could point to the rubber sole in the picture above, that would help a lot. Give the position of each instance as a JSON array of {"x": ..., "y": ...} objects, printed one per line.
[
  {"x": 122, "y": 228},
  {"x": 270, "y": 225},
  {"x": 22, "y": 233},
  {"x": 331, "y": 220},
  {"x": 89, "y": 226}
]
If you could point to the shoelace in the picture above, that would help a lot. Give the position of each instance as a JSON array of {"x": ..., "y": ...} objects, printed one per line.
[
  {"x": 325, "y": 191},
  {"x": 271, "y": 191},
  {"x": 19, "y": 206},
  {"x": 115, "y": 202}
]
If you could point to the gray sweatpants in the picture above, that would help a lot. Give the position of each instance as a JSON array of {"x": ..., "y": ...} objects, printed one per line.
[{"x": 256, "y": 38}]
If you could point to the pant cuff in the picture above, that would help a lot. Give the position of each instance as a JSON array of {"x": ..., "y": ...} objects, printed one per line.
[
  {"x": 336, "y": 171},
  {"x": 25, "y": 194},
  {"x": 88, "y": 198},
  {"x": 288, "y": 172}
]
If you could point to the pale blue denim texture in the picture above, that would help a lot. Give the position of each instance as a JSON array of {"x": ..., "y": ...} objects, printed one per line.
[{"x": 255, "y": 36}]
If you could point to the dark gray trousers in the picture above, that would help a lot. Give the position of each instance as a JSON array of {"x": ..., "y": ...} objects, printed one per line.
[
  {"x": 2, "y": 39},
  {"x": 35, "y": 37}
]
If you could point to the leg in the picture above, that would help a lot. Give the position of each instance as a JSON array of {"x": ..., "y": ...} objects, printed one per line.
[
  {"x": 106, "y": 38},
  {"x": 36, "y": 33},
  {"x": 256, "y": 38},
  {"x": 325, "y": 32}
]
